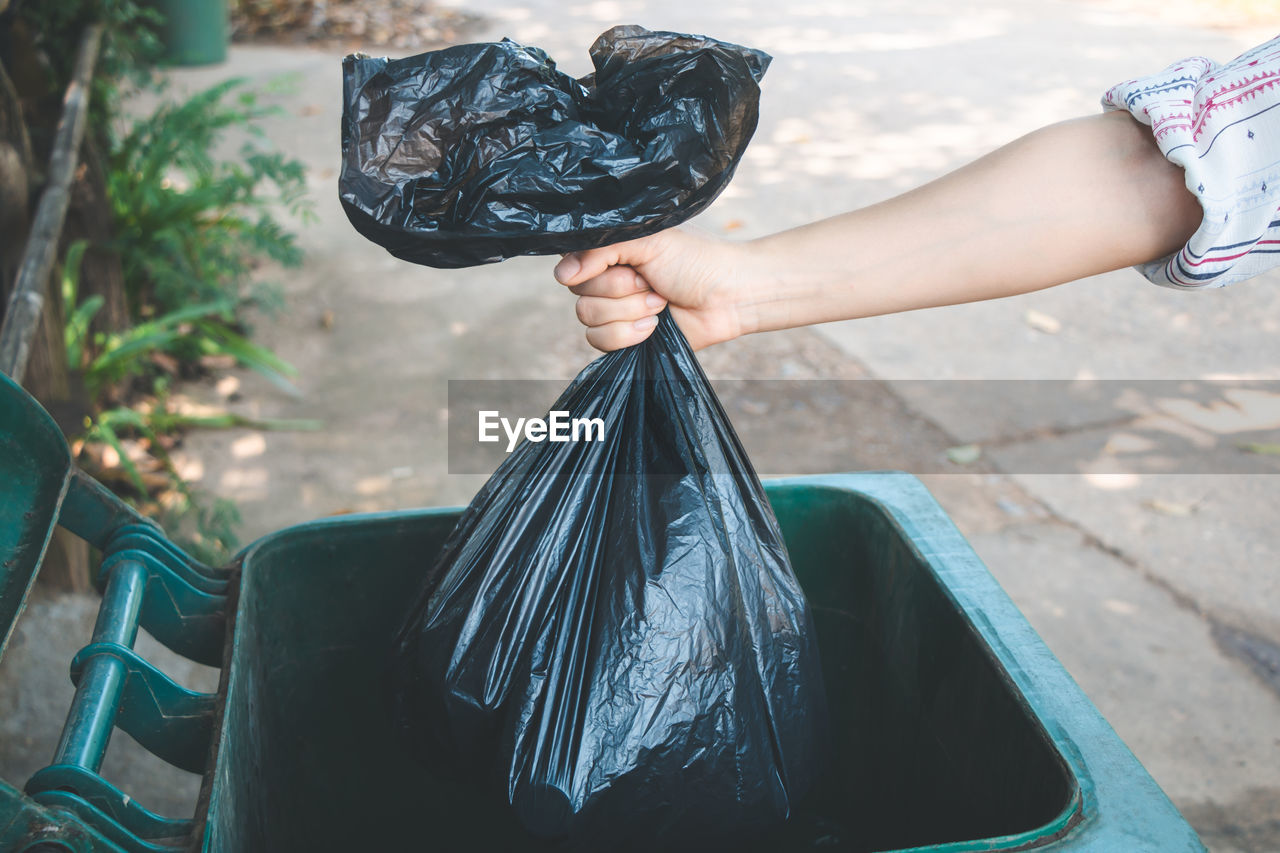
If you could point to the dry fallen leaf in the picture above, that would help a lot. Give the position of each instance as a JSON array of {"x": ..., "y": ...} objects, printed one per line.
[
  {"x": 218, "y": 361},
  {"x": 1178, "y": 509},
  {"x": 964, "y": 454},
  {"x": 1262, "y": 449},
  {"x": 1042, "y": 322},
  {"x": 165, "y": 362}
]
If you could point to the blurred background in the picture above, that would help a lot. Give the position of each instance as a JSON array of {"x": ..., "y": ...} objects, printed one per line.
[{"x": 225, "y": 351}]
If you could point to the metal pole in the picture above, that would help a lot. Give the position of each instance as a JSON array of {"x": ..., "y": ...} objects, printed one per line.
[{"x": 93, "y": 711}]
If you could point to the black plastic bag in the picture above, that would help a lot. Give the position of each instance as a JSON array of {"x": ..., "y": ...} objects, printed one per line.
[
  {"x": 481, "y": 152},
  {"x": 613, "y": 637}
]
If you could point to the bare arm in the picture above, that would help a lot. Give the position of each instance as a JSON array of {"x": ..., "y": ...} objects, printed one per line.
[{"x": 1068, "y": 201}]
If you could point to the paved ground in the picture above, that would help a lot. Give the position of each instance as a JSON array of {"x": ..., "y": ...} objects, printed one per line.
[{"x": 1159, "y": 592}]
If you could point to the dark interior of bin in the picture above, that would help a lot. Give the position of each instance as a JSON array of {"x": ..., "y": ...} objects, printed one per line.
[{"x": 932, "y": 743}]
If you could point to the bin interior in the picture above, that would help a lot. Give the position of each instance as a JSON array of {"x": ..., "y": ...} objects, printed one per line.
[{"x": 932, "y": 742}]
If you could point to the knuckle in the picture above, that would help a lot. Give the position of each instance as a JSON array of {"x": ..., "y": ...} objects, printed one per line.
[
  {"x": 596, "y": 338},
  {"x": 622, "y": 280},
  {"x": 611, "y": 336}
]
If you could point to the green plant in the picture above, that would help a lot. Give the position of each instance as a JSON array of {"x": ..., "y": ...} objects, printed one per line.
[
  {"x": 130, "y": 46},
  {"x": 192, "y": 227},
  {"x": 206, "y": 528},
  {"x": 186, "y": 334},
  {"x": 75, "y": 334}
]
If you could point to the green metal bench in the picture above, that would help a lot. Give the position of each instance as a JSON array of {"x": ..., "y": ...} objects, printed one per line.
[{"x": 955, "y": 728}]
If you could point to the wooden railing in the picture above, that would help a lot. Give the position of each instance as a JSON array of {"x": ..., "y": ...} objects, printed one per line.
[{"x": 26, "y": 302}]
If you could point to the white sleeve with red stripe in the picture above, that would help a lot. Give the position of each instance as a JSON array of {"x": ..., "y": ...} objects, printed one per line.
[{"x": 1221, "y": 123}]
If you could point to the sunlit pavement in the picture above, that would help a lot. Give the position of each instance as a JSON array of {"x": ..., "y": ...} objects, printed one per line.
[{"x": 1159, "y": 592}]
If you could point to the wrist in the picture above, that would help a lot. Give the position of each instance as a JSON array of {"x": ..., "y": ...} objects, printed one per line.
[
  {"x": 749, "y": 290},
  {"x": 765, "y": 288},
  {"x": 722, "y": 299}
]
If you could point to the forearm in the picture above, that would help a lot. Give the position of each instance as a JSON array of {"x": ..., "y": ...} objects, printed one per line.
[{"x": 1071, "y": 200}]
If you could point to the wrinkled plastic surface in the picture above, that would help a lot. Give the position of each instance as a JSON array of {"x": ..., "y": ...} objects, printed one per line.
[
  {"x": 481, "y": 152},
  {"x": 613, "y": 637}
]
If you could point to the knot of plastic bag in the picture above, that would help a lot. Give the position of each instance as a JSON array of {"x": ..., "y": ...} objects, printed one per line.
[{"x": 481, "y": 152}]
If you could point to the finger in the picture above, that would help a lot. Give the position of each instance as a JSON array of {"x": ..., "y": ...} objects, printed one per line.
[
  {"x": 613, "y": 282},
  {"x": 577, "y": 267},
  {"x": 599, "y": 311},
  {"x": 612, "y": 336}
]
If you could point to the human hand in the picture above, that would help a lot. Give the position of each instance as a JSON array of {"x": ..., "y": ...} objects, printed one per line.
[{"x": 622, "y": 288}]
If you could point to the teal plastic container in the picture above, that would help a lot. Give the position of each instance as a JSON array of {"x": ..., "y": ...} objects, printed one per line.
[
  {"x": 955, "y": 727},
  {"x": 195, "y": 32}
]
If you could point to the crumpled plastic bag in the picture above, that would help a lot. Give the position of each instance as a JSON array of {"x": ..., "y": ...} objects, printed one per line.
[
  {"x": 612, "y": 639},
  {"x": 480, "y": 152}
]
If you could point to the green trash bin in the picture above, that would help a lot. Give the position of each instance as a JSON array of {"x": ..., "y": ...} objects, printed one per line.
[
  {"x": 194, "y": 32},
  {"x": 955, "y": 727}
]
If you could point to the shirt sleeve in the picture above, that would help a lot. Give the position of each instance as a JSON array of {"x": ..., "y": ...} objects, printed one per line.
[{"x": 1221, "y": 124}]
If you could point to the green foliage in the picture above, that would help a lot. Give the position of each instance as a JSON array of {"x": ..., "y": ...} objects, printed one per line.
[
  {"x": 204, "y": 527},
  {"x": 191, "y": 226},
  {"x": 76, "y": 332},
  {"x": 160, "y": 419},
  {"x": 186, "y": 334},
  {"x": 130, "y": 42},
  {"x": 130, "y": 46}
]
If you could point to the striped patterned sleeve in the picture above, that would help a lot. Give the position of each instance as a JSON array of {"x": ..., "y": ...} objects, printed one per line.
[{"x": 1221, "y": 124}]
